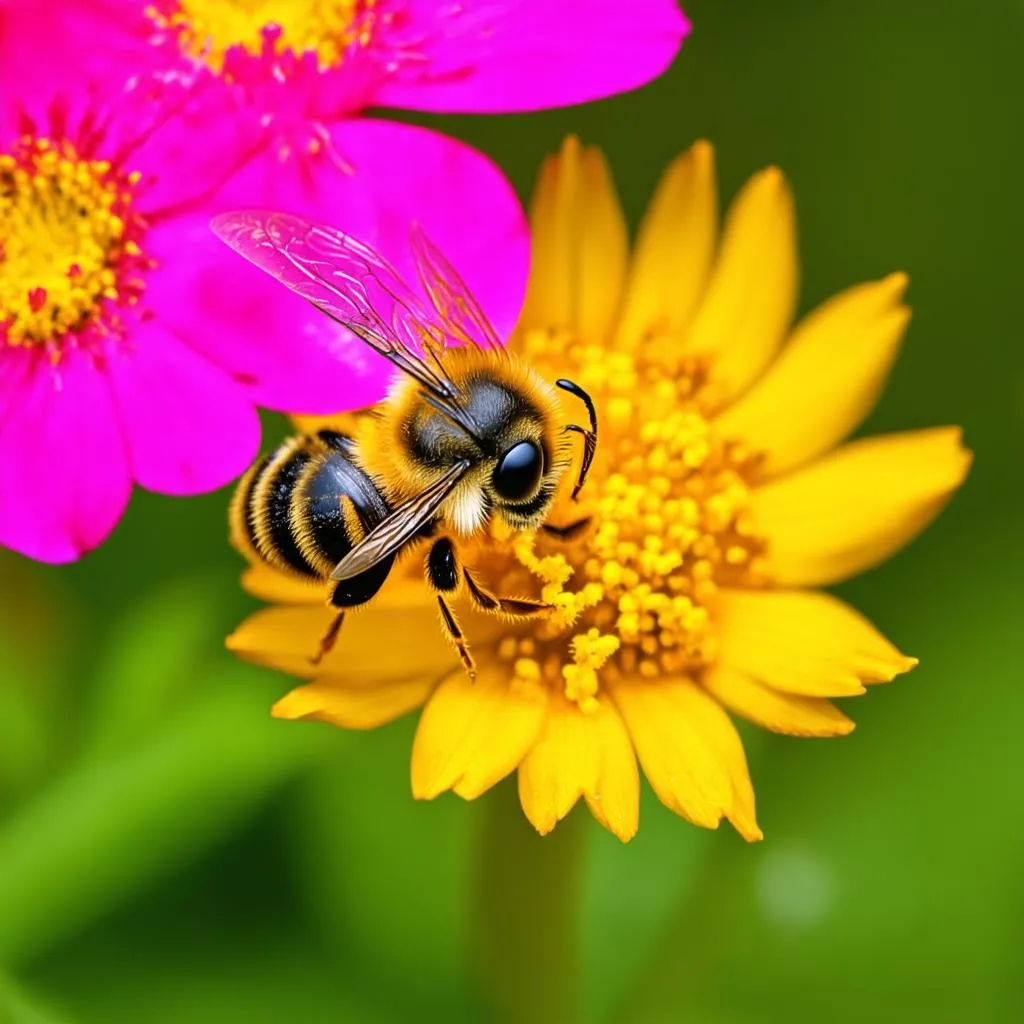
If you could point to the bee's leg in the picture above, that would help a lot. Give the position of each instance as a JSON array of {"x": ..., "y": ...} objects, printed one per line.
[
  {"x": 455, "y": 632},
  {"x": 520, "y": 608},
  {"x": 350, "y": 593},
  {"x": 567, "y": 532},
  {"x": 443, "y": 576},
  {"x": 327, "y": 643}
]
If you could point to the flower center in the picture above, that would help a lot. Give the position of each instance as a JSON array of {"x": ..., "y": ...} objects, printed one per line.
[
  {"x": 68, "y": 241},
  {"x": 210, "y": 28},
  {"x": 670, "y": 522}
]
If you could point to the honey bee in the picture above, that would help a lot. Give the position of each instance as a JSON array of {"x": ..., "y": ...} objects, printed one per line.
[{"x": 467, "y": 432}]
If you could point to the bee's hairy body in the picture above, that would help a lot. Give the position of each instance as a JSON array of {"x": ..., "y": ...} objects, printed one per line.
[
  {"x": 468, "y": 434},
  {"x": 303, "y": 507}
]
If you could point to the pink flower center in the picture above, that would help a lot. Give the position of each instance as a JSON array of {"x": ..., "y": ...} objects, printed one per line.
[
  {"x": 70, "y": 243},
  {"x": 209, "y": 29}
]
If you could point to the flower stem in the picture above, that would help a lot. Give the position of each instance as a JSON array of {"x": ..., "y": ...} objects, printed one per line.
[{"x": 525, "y": 952}]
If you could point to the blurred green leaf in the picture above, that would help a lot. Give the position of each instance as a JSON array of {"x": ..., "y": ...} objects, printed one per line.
[
  {"x": 32, "y": 606},
  {"x": 211, "y": 975},
  {"x": 151, "y": 657},
  {"x": 25, "y": 742},
  {"x": 385, "y": 876},
  {"x": 18, "y": 1008},
  {"x": 101, "y": 835}
]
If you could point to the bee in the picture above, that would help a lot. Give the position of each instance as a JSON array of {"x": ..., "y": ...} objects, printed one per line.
[{"x": 468, "y": 432}]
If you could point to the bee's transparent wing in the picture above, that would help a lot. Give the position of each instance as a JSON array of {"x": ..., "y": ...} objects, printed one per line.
[
  {"x": 453, "y": 302},
  {"x": 400, "y": 526},
  {"x": 349, "y": 281}
]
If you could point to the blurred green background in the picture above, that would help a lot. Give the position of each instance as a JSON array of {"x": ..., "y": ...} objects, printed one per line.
[{"x": 168, "y": 853}]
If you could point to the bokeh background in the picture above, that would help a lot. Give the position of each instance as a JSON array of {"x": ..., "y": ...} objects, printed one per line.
[{"x": 168, "y": 853}]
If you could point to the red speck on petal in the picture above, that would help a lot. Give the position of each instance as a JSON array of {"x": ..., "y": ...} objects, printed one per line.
[
  {"x": 74, "y": 271},
  {"x": 36, "y": 298}
]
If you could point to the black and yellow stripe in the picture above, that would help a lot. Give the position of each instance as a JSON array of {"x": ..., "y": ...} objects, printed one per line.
[{"x": 302, "y": 507}]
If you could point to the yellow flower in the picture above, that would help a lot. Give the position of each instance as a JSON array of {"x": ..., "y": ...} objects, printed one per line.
[{"x": 719, "y": 498}]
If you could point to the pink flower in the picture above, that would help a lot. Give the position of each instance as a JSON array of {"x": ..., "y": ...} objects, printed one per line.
[
  {"x": 305, "y": 80},
  {"x": 133, "y": 346},
  {"x": 120, "y": 361}
]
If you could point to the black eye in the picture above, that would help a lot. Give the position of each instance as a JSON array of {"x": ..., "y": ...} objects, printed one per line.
[{"x": 519, "y": 471}]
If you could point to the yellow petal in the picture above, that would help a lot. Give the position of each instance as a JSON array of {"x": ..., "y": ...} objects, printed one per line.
[
  {"x": 472, "y": 734},
  {"x": 376, "y": 642},
  {"x": 674, "y": 250},
  {"x": 751, "y": 296},
  {"x": 581, "y": 754},
  {"x": 826, "y": 380},
  {"x": 690, "y": 751},
  {"x": 803, "y": 642},
  {"x": 779, "y": 712},
  {"x": 268, "y": 584},
  {"x": 580, "y": 245},
  {"x": 857, "y": 506},
  {"x": 364, "y": 704}
]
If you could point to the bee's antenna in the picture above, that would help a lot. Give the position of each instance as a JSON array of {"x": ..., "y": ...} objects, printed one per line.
[{"x": 589, "y": 436}]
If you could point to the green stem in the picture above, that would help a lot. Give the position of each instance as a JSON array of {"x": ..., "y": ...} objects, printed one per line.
[
  {"x": 525, "y": 919},
  {"x": 685, "y": 966}
]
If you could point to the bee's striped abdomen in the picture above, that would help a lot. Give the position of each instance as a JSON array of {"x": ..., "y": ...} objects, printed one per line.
[
  {"x": 268, "y": 505},
  {"x": 335, "y": 504},
  {"x": 302, "y": 507},
  {"x": 280, "y": 491}
]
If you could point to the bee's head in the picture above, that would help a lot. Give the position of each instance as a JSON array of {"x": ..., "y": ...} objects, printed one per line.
[
  {"x": 522, "y": 484},
  {"x": 509, "y": 425}
]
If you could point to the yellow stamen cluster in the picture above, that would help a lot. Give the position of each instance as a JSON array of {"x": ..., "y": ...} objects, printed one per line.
[
  {"x": 66, "y": 237},
  {"x": 209, "y": 28},
  {"x": 634, "y": 594}
]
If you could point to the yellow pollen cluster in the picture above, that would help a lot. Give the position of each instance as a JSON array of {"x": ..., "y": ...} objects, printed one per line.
[
  {"x": 209, "y": 28},
  {"x": 63, "y": 237},
  {"x": 668, "y": 503}
]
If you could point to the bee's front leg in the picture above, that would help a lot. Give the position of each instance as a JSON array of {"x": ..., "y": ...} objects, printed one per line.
[
  {"x": 443, "y": 576},
  {"x": 516, "y": 607},
  {"x": 567, "y": 532}
]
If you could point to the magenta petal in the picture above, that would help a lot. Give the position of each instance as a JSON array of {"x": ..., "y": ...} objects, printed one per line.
[
  {"x": 54, "y": 47},
  {"x": 64, "y": 477},
  {"x": 507, "y": 55},
  {"x": 372, "y": 181},
  {"x": 189, "y": 427},
  {"x": 284, "y": 353}
]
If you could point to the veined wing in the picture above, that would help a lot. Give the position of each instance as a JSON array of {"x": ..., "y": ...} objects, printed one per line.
[
  {"x": 398, "y": 528},
  {"x": 453, "y": 302},
  {"x": 349, "y": 282}
]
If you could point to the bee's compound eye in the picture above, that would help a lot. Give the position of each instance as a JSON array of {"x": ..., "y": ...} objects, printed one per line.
[{"x": 519, "y": 471}]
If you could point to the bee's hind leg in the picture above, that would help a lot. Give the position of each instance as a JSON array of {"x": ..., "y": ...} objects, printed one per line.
[
  {"x": 328, "y": 640},
  {"x": 350, "y": 593}
]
